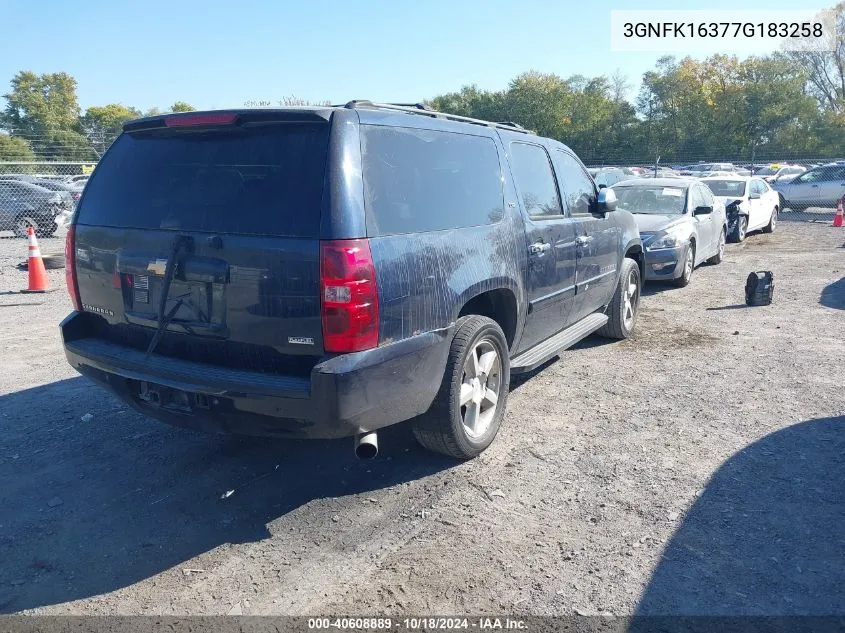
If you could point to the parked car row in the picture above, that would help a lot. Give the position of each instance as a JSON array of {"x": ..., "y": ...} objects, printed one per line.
[
  {"x": 41, "y": 202},
  {"x": 798, "y": 187}
]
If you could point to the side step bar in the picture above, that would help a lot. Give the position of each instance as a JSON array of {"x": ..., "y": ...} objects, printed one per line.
[{"x": 543, "y": 351}]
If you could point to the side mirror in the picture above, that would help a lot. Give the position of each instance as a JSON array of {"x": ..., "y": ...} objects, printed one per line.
[
  {"x": 754, "y": 196},
  {"x": 607, "y": 200},
  {"x": 702, "y": 211},
  {"x": 602, "y": 186}
]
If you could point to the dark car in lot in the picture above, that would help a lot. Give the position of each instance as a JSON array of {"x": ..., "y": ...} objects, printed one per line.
[
  {"x": 26, "y": 204},
  {"x": 71, "y": 192},
  {"x": 326, "y": 272},
  {"x": 681, "y": 225}
]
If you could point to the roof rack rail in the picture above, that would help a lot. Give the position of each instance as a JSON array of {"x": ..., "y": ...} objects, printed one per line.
[{"x": 424, "y": 110}]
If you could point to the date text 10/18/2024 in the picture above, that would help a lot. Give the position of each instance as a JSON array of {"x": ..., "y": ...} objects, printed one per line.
[{"x": 420, "y": 623}]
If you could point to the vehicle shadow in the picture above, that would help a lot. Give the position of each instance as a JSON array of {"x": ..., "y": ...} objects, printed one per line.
[
  {"x": 736, "y": 306},
  {"x": 651, "y": 288},
  {"x": 765, "y": 537},
  {"x": 94, "y": 505},
  {"x": 833, "y": 295}
]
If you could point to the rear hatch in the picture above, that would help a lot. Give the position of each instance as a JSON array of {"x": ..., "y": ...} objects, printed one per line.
[{"x": 198, "y": 237}]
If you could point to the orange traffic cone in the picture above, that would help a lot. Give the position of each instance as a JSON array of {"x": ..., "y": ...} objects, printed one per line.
[
  {"x": 837, "y": 219},
  {"x": 37, "y": 273}
]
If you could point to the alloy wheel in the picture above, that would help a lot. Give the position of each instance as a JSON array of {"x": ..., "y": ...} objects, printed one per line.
[
  {"x": 481, "y": 386},
  {"x": 630, "y": 300}
]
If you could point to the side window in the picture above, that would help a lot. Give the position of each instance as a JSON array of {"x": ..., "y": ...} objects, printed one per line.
[
  {"x": 575, "y": 185},
  {"x": 696, "y": 198},
  {"x": 419, "y": 180},
  {"x": 706, "y": 196},
  {"x": 808, "y": 176},
  {"x": 535, "y": 180},
  {"x": 826, "y": 174},
  {"x": 838, "y": 173}
]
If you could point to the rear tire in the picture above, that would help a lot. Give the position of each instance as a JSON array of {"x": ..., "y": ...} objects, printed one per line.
[
  {"x": 469, "y": 407},
  {"x": 773, "y": 220},
  {"x": 623, "y": 309},
  {"x": 720, "y": 254},
  {"x": 44, "y": 227},
  {"x": 23, "y": 222}
]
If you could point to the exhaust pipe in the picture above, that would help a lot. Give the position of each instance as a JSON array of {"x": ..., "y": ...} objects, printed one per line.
[{"x": 366, "y": 445}]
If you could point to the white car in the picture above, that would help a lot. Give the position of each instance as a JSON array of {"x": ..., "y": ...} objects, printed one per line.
[
  {"x": 751, "y": 204},
  {"x": 780, "y": 173}
]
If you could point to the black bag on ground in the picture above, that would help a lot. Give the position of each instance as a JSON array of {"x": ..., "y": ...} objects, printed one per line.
[{"x": 759, "y": 288}]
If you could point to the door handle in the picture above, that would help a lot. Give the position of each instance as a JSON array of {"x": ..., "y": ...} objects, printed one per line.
[
  {"x": 538, "y": 247},
  {"x": 583, "y": 240},
  {"x": 814, "y": 186}
]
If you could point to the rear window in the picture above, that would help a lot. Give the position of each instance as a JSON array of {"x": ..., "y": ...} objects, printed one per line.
[
  {"x": 265, "y": 179},
  {"x": 423, "y": 180},
  {"x": 726, "y": 187}
]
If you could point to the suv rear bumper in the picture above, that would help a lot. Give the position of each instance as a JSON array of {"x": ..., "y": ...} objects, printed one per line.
[{"x": 344, "y": 395}]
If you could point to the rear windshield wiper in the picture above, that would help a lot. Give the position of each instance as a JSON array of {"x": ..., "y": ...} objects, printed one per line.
[{"x": 180, "y": 242}]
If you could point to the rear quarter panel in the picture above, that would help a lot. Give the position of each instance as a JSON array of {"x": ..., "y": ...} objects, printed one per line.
[{"x": 425, "y": 279}]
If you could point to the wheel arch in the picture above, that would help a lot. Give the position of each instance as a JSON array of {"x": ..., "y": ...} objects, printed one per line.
[{"x": 499, "y": 304}]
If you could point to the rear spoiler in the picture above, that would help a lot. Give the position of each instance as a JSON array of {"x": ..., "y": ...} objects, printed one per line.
[{"x": 220, "y": 118}]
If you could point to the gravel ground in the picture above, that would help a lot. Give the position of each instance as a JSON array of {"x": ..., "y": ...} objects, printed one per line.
[{"x": 695, "y": 469}]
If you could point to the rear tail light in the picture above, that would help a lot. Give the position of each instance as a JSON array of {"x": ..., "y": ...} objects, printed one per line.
[
  {"x": 70, "y": 268},
  {"x": 348, "y": 295}
]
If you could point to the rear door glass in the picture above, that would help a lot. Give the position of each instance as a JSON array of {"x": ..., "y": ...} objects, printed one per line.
[
  {"x": 419, "y": 180},
  {"x": 263, "y": 179},
  {"x": 576, "y": 188},
  {"x": 535, "y": 180}
]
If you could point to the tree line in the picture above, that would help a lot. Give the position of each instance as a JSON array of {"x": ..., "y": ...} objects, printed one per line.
[
  {"x": 783, "y": 106},
  {"x": 42, "y": 120}
]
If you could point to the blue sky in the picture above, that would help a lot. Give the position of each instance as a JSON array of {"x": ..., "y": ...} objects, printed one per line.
[{"x": 220, "y": 54}]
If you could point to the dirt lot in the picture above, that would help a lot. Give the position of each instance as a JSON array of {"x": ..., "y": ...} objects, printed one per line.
[{"x": 697, "y": 468}]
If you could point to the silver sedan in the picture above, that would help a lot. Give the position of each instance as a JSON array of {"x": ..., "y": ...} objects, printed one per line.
[{"x": 681, "y": 224}]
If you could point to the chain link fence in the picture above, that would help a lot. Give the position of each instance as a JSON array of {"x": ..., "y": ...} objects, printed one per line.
[{"x": 42, "y": 195}]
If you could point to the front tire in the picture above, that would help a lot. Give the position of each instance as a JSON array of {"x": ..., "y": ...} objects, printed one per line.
[
  {"x": 470, "y": 405},
  {"x": 689, "y": 267},
  {"x": 623, "y": 309},
  {"x": 738, "y": 234},
  {"x": 23, "y": 222}
]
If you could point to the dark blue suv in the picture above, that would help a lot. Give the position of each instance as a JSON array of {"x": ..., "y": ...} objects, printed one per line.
[{"x": 326, "y": 272}]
